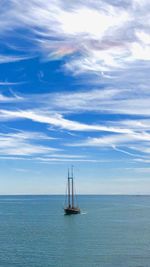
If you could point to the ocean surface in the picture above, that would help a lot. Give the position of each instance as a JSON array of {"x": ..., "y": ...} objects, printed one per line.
[{"x": 111, "y": 231}]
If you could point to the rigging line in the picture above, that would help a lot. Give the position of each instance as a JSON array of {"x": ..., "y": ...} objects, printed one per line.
[
  {"x": 76, "y": 196},
  {"x": 65, "y": 201}
]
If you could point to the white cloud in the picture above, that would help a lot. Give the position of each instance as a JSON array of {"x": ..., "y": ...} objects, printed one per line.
[
  {"x": 51, "y": 158},
  {"x": 103, "y": 38},
  {"x": 9, "y": 83},
  {"x": 7, "y": 99},
  {"x": 12, "y": 147},
  {"x": 105, "y": 34},
  {"x": 143, "y": 37},
  {"x": 128, "y": 136},
  {"x": 142, "y": 160},
  {"x": 132, "y": 101},
  {"x": 12, "y": 58},
  {"x": 67, "y": 159},
  {"x": 57, "y": 120},
  {"x": 120, "y": 101},
  {"x": 26, "y": 135},
  {"x": 127, "y": 100},
  {"x": 84, "y": 100},
  {"x": 95, "y": 22},
  {"x": 140, "y": 51},
  {"x": 126, "y": 152},
  {"x": 106, "y": 141},
  {"x": 127, "y": 144},
  {"x": 23, "y": 143}
]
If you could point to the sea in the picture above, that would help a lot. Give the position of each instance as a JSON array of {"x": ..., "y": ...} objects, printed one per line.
[{"x": 111, "y": 231}]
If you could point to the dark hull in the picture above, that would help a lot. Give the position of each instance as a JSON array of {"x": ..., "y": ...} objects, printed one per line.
[{"x": 69, "y": 211}]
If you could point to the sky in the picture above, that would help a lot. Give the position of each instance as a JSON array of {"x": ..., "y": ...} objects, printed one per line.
[{"x": 74, "y": 90}]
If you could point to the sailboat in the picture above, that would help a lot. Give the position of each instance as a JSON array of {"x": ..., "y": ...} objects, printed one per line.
[{"x": 71, "y": 208}]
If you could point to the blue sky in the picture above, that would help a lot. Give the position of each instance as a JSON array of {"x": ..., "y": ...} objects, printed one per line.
[{"x": 74, "y": 89}]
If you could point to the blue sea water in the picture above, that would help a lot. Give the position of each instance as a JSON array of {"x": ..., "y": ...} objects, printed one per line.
[{"x": 111, "y": 231}]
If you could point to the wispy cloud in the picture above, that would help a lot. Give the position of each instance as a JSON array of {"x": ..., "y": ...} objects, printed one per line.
[
  {"x": 130, "y": 100},
  {"x": 23, "y": 143},
  {"x": 67, "y": 159},
  {"x": 106, "y": 36},
  {"x": 57, "y": 120},
  {"x": 11, "y": 99},
  {"x": 128, "y": 140},
  {"x": 108, "y": 100},
  {"x": 128, "y": 144},
  {"x": 10, "y": 59},
  {"x": 6, "y": 83},
  {"x": 110, "y": 41},
  {"x": 51, "y": 158},
  {"x": 107, "y": 39},
  {"x": 26, "y": 135}
]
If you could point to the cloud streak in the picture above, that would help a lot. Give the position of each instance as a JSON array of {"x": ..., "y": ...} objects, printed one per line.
[
  {"x": 24, "y": 143},
  {"x": 11, "y": 99},
  {"x": 4, "y": 59},
  {"x": 108, "y": 100},
  {"x": 128, "y": 140},
  {"x": 128, "y": 144},
  {"x": 109, "y": 37},
  {"x": 57, "y": 120}
]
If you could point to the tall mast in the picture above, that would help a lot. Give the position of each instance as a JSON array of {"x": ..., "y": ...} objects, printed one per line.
[
  {"x": 68, "y": 189},
  {"x": 71, "y": 207},
  {"x": 72, "y": 187}
]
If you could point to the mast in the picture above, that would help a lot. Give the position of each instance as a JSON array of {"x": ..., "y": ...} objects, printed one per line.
[
  {"x": 68, "y": 190},
  {"x": 72, "y": 187},
  {"x": 71, "y": 207}
]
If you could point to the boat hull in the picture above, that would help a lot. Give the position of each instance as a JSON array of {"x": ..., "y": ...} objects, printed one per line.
[{"x": 69, "y": 211}]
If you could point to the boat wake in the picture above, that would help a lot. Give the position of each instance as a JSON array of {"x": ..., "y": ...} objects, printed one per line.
[{"x": 83, "y": 212}]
